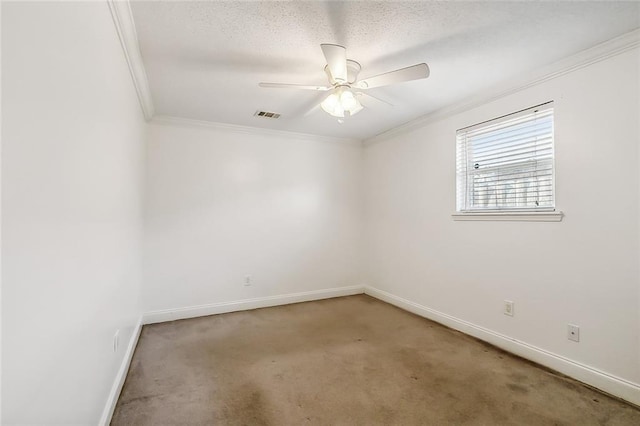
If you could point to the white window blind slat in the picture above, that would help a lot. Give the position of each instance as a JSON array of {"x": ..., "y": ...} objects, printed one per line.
[
  {"x": 509, "y": 157},
  {"x": 488, "y": 169},
  {"x": 522, "y": 188},
  {"x": 503, "y": 136},
  {"x": 507, "y": 163},
  {"x": 507, "y": 121},
  {"x": 524, "y": 144}
]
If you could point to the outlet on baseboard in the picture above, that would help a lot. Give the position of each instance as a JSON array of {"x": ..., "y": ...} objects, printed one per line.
[
  {"x": 508, "y": 308},
  {"x": 116, "y": 340}
]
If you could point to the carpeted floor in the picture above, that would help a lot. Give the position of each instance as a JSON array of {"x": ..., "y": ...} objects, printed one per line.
[{"x": 345, "y": 361}]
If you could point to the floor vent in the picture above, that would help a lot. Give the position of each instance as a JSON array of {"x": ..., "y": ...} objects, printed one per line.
[{"x": 266, "y": 114}]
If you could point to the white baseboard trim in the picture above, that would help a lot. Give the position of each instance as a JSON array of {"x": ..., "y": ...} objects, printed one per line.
[
  {"x": 608, "y": 383},
  {"x": 164, "y": 315},
  {"x": 114, "y": 394}
]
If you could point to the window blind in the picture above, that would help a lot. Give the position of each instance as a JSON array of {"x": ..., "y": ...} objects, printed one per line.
[{"x": 507, "y": 163}]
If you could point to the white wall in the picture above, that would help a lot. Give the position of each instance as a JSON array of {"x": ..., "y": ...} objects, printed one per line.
[
  {"x": 72, "y": 163},
  {"x": 583, "y": 270},
  {"x": 223, "y": 203}
]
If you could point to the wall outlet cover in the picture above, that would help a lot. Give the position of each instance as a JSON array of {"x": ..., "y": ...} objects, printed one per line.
[
  {"x": 573, "y": 332},
  {"x": 508, "y": 307}
]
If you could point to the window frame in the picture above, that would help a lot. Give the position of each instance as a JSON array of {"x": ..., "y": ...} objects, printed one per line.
[{"x": 514, "y": 213}]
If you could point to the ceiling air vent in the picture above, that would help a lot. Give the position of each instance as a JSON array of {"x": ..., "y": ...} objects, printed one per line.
[{"x": 266, "y": 114}]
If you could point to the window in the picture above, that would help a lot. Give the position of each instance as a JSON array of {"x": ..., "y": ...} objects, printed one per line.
[{"x": 506, "y": 164}]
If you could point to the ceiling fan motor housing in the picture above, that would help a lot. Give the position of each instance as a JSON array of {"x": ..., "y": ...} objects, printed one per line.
[{"x": 353, "y": 69}]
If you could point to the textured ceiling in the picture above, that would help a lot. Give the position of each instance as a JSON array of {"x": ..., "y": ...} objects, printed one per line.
[{"x": 204, "y": 60}]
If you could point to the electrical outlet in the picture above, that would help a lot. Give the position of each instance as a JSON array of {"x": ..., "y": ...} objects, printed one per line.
[
  {"x": 573, "y": 332},
  {"x": 247, "y": 280},
  {"x": 116, "y": 340},
  {"x": 508, "y": 308}
]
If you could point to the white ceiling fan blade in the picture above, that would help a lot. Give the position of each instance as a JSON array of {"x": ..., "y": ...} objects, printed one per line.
[
  {"x": 414, "y": 72},
  {"x": 293, "y": 86},
  {"x": 336, "y": 57},
  {"x": 311, "y": 107},
  {"x": 368, "y": 98},
  {"x": 312, "y": 110}
]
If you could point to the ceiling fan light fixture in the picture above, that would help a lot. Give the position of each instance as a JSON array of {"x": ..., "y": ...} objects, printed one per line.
[
  {"x": 357, "y": 109},
  {"x": 347, "y": 100},
  {"x": 340, "y": 101},
  {"x": 332, "y": 105}
]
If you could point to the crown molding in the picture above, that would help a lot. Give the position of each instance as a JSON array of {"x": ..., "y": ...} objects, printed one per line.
[
  {"x": 572, "y": 63},
  {"x": 235, "y": 128},
  {"x": 126, "y": 28}
]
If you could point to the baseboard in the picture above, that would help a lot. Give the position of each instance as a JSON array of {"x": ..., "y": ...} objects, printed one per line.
[
  {"x": 608, "y": 383},
  {"x": 110, "y": 406},
  {"x": 246, "y": 304}
]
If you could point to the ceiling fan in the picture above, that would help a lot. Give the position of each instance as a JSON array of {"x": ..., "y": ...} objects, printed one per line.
[{"x": 344, "y": 84}]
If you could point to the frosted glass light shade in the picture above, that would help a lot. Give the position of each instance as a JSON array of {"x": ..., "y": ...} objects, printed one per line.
[
  {"x": 341, "y": 101},
  {"x": 347, "y": 100},
  {"x": 357, "y": 109},
  {"x": 332, "y": 105}
]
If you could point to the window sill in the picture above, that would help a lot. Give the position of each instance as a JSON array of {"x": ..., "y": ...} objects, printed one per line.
[{"x": 555, "y": 216}]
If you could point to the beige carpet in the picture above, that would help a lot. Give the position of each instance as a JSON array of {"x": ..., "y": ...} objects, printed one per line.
[{"x": 345, "y": 361}]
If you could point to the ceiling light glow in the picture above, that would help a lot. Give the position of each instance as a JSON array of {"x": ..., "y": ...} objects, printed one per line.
[{"x": 340, "y": 101}]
